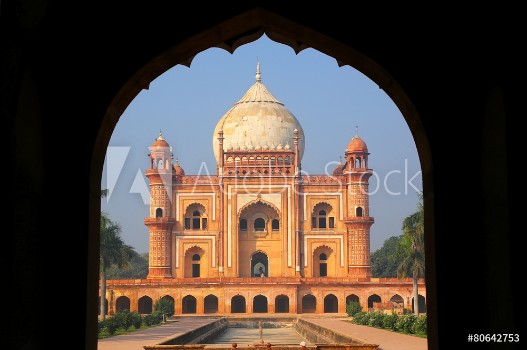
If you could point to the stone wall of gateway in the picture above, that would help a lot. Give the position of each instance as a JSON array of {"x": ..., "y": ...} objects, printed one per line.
[{"x": 258, "y": 295}]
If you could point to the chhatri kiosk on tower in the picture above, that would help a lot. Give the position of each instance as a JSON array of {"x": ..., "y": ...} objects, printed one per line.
[{"x": 259, "y": 236}]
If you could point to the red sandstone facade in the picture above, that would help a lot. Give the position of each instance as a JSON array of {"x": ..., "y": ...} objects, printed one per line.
[{"x": 259, "y": 236}]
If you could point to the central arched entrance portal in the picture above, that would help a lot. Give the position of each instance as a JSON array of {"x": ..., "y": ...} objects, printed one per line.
[{"x": 259, "y": 265}]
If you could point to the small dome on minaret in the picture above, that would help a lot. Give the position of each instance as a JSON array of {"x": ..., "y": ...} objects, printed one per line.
[
  {"x": 178, "y": 170},
  {"x": 339, "y": 169},
  {"x": 357, "y": 145},
  {"x": 160, "y": 141}
]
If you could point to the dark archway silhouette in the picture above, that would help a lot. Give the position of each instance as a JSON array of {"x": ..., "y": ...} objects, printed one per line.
[
  {"x": 238, "y": 31},
  {"x": 309, "y": 304},
  {"x": 281, "y": 304},
  {"x": 210, "y": 304},
  {"x": 331, "y": 304},
  {"x": 374, "y": 298},
  {"x": 397, "y": 300},
  {"x": 122, "y": 303},
  {"x": 260, "y": 304},
  {"x": 421, "y": 302},
  {"x": 144, "y": 305},
  {"x": 238, "y": 304},
  {"x": 189, "y": 305},
  {"x": 352, "y": 298}
]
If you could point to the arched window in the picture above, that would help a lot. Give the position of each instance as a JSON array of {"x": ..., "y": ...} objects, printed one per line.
[
  {"x": 323, "y": 261},
  {"x": 259, "y": 224},
  {"x": 159, "y": 213},
  {"x": 322, "y": 219},
  {"x": 243, "y": 225},
  {"x": 259, "y": 265},
  {"x": 358, "y": 211},
  {"x": 195, "y": 218},
  {"x": 196, "y": 265},
  {"x": 323, "y": 216},
  {"x": 275, "y": 225}
]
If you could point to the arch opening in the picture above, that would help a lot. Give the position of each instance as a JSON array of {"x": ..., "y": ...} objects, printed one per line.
[
  {"x": 238, "y": 304},
  {"x": 260, "y": 265},
  {"x": 411, "y": 115},
  {"x": 260, "y": 304}
]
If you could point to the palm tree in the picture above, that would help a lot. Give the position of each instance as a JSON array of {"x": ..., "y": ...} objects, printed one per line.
[
  {"x": 112, "y": 251},
  {"x": 412, "y": 247}
]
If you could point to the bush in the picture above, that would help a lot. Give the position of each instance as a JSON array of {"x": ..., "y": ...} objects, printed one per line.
[
  {"x": 376, "y": 319},
  {"x": 123, "y": 319},
  {"x": 419, "y": 325},
  {"x": 353, "y": 307},
  {"x": 404, "y": 323},
  {"x": 154, "y": 318},
  {"x": 158, "y": 317},
  {"x": 101, "y": 326},
  {"x": 149, "y": 320},
  {"x": 409, "y": 323},
  {"x": 361, "y": 318},
  {"x": 111, "y": 324},
  {"x": 135, "y": 319},
  {"x": 389, "y": 321}
]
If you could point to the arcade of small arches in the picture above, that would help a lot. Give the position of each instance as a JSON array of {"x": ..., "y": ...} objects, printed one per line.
[{"x": 262, "y": 303}]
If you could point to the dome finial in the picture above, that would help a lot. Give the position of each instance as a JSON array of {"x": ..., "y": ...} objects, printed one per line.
[
  {"x": 258, "y": 75},
  {"x": 160, "y": 137},
  {"x": 356, "y": 131}
]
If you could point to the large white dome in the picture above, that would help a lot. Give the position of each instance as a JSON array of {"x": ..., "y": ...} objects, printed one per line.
[{"x": 258, "y": 121}]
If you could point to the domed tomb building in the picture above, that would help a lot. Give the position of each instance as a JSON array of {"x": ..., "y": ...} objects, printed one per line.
[{"x": 259, "y": 236}]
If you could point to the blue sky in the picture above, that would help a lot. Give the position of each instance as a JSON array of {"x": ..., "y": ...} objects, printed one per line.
[{"x": 329, "y": 101}]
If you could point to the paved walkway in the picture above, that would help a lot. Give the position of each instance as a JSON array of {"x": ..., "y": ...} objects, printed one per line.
[
  {"x": 385, "y": 339},
  {"x": 150, "y": 336}
]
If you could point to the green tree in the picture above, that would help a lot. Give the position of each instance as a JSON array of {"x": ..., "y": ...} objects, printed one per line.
[
  {"x": 137, "y": 268},
  {"x": 165, "y": 306},
  {"x": 113, "y": 250},
  {"x": 412, "y": 248},
  {"x": 385, "y": 260}
]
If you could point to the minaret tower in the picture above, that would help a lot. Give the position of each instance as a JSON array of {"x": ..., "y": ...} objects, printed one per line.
[
  {"x": 358, "y": 220},
  {"x": 161, "y": 219}
]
